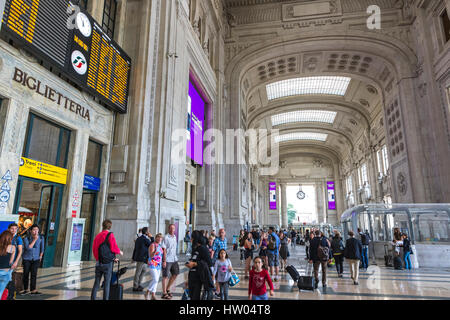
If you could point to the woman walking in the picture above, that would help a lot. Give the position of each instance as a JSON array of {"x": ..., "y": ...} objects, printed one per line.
[
  {"x": 337, "y": 248},
  {"x": 249, "y": 246},
  {"x": 155, "y": 260},
  {"x": 7, "y": 253},
  {"x": 407, "y": 251},
  {"x": 263, "y": 249},
  {"x": 199, "y": 265},
  {"x": 284, "y": 241}
]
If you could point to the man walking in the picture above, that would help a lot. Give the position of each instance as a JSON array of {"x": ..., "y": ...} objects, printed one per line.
[
  {"x": 170, "y": 262},
  {"x": 352, "y": 253},
  {"x": 365, "y": 240},
  {"x": 273, "y": 249},
  {"x": 140, "y": 255},
  {"x": 32, "y": 257},
  {"x": 104, "y": 249},
  {"x": 319, "y": 255}
]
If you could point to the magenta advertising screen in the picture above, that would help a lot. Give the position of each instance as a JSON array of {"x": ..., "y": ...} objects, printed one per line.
[
  {"x": 331, "y": 196},
  {"x": 196, "y": 117},
  {"x": 273, "y": 196}
]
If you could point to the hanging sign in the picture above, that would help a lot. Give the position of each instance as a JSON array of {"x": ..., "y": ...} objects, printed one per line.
[
  {"x": 42, "y": 171},
  {"x": 273, "y": 196},
  {"x": 331, "y": 196}
]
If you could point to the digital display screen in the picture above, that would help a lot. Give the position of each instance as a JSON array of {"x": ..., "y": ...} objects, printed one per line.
[
  {"x": 77, "y": 237},
  {"x": 74, "y": 43},
  {"x": 331, "y": 196},
  {"x": 273, "y": 196},
  {"x": 196, "y": 112}
]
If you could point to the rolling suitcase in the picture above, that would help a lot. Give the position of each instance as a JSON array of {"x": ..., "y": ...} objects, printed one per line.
[
  {"x": 387, "y": 257},
  {"x": 293, "y": 273},
  {"x": 307, "y": 282},
  {"x": 116, "y": 289}
]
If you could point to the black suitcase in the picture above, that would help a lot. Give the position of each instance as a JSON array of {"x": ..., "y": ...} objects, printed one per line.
[
  {"x": 387, "y": 257},
  {"x": 398, "y": 263},
  {"x": 306, "y": 282},
  {"x": 116, "y": 289},
  {"x": 293, "y": 273}
]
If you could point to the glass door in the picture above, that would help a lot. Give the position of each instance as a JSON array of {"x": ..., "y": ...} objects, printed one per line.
[
  {"x": 39, "y": 202},
  {"x": 88, "y": 212}
]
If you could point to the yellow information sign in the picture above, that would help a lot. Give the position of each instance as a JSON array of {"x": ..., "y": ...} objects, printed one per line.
[{"x": 42, "y": 171}]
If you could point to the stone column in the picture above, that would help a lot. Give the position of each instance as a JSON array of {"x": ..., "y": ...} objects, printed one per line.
[
  {"x": 319, "y": 199},
  {"x": 284, "y": 217}
]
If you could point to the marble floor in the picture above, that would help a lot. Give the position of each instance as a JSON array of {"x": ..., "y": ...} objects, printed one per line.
[{"x": 377, "y": 283}]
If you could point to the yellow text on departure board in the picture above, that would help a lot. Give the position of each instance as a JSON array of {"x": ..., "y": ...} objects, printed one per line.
[{"x": 22, "y": 18}]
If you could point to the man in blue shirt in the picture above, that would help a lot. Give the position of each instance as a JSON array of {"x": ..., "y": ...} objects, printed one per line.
[
  {"x": 273, "y": 249},
  {"x": 219, "y": 244},
  {"x": 32, "y": 257}
]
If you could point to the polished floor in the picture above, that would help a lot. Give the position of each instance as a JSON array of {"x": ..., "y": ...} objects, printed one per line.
[{"x": 377, "y": 283}]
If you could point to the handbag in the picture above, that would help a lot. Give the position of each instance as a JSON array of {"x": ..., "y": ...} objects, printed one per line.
[{"x": 234, "y": 280}]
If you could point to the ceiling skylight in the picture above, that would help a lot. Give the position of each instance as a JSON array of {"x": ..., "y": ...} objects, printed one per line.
[
  {"x": 308, "y": 86},
  {"x": 313, "y": 136},
  {"x": 304, "y": 116}
]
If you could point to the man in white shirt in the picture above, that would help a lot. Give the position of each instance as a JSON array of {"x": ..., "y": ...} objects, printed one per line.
[{"x": 170, "y": 262}]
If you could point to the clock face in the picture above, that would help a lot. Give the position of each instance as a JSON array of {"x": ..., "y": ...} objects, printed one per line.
[
  {"x": 301, "y": 195},
  {"x": 84, "y": 25}
]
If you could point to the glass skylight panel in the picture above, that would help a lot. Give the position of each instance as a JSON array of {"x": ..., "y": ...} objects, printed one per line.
[
  {"x": 308, "y": 86},
  {"x": 304, "y": 116},
  {"x": 312, "y": 136}
]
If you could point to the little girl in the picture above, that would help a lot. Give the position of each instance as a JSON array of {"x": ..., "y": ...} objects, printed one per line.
[
  {"x": 223, "y": 269},
  {"x": 257, "y": 284}
]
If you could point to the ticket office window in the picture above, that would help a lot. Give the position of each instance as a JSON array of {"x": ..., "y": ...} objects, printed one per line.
[
  {"x": 47, "y": 142},
  {"x": 90, "y": 198}
]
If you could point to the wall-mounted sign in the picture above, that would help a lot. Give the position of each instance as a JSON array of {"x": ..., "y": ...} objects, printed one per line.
[
  {"x": 331, "y": 196},
  {"x": 196, "y": 114},
  {"x": 49, "y": 93},
  {"x": 273, "y": 196},
  {"x": 82, "y": 51},
  {"x": 42, "y": 171},
  {"x": 91, "y": 183}
]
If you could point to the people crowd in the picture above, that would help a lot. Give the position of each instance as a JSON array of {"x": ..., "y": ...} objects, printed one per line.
[{"x": 210, "y": 271}]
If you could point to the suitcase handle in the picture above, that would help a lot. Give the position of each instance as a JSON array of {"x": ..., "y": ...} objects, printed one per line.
[{"x": 309, "y": 266}]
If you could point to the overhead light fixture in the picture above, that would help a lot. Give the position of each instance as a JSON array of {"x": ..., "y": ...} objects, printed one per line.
[
  {"x": 308, "y": 86},
  {"x": 321, "y": 116},
  {"x": 312, "y": 136}
]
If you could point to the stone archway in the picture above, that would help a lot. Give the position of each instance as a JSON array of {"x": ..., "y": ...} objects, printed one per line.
[{"x": 390, "y": 67}]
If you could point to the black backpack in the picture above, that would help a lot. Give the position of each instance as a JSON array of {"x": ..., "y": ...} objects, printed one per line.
[
  {"x": 105, "y": 254},
  {"x": 365, "y": 239}
]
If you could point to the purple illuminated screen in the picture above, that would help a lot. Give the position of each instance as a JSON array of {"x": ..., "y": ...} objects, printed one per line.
[
  {"x": 196, "y": 113},
  {"x": 331, "y": 196},
  {"x": 273, "y": 196}
]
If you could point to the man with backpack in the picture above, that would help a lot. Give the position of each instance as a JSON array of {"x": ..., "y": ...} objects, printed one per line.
[
  {"x": 273, "y": 248},
  {"x": 104, "y": 249},
  {"x": 365, "y": 240},
  {"x": 319, "y": 255}
]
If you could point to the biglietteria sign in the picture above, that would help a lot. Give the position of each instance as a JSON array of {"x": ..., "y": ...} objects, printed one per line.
[{"x": 49, "y": 93}]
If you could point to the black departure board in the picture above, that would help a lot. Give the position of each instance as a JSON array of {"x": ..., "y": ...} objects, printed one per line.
[{"x": 73, "y": 42}]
